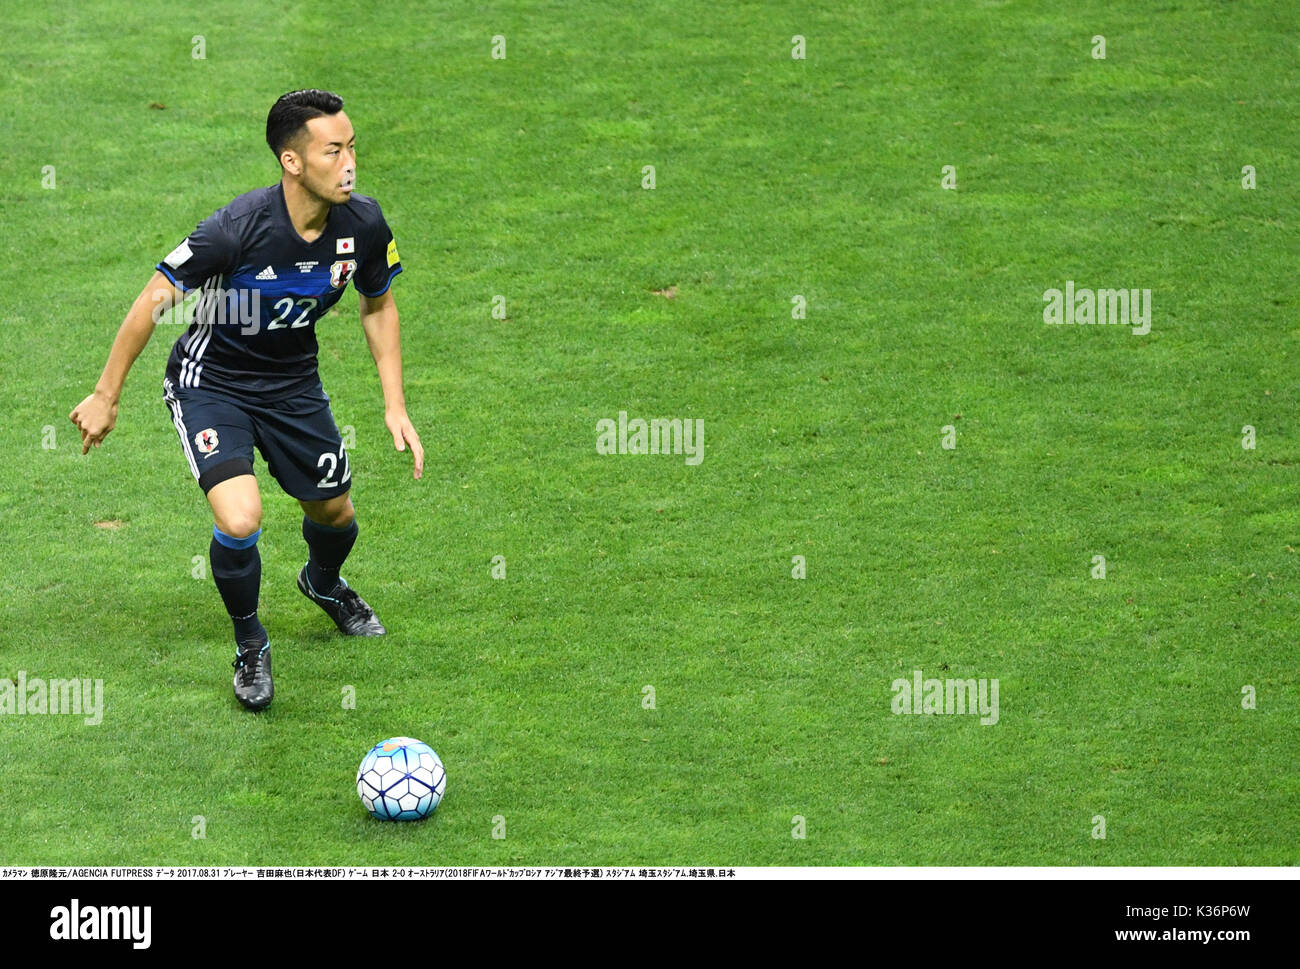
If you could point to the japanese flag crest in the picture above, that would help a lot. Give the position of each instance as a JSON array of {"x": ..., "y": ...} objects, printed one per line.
[
  {"x": 341, "y": 272},
  {"x": 206, "y": 440}
]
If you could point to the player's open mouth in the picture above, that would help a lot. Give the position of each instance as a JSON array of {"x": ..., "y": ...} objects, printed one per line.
[{"x": 349, "y": 185}]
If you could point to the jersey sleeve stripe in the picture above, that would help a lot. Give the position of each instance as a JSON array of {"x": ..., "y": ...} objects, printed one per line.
[
  {"x": 174, "y": 281},
  {"x": 382, "y": 291}
]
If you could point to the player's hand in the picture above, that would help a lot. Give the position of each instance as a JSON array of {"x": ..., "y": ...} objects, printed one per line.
[
  {"x": 94, "y": 418},
  {"x": 399, "y": 425}
]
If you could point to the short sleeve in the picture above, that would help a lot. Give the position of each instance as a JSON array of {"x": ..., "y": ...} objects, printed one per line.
[
  {"x": 210, "y": 250},
  {"x": 380, "y": 262}
]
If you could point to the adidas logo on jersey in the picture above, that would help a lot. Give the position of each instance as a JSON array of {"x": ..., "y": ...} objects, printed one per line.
[{"x": 267, "y": 273}]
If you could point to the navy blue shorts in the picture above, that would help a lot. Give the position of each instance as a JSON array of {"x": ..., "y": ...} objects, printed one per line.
[{"x": 298, "y": 439}]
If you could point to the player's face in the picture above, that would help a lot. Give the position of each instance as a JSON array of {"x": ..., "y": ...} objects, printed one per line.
[{"x": 330, "y": 158}]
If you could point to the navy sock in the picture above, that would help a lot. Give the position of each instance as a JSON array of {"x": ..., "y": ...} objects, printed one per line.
[
  {"x": 327, "y": 550},
  {"x": 237, "y": 571}
]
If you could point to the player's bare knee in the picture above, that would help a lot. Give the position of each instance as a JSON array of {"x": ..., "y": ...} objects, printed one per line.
[
  {"x": 338, "y": 519},
  {"x": 333, "y": 513},
  {"x": 240, "y": 524},
  {"x": 344, "y": 516}
]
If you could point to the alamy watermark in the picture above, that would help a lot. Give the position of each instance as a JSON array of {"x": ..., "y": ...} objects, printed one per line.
[
  {"x": 948, "y": 696},
  {"x": 24, "y": 697},
  {"x": 75, "y": 922},
  {"x": 232, "y": 307},
  {"x": 1125, "y": 307},
  {"x": 659, "y": 435}
]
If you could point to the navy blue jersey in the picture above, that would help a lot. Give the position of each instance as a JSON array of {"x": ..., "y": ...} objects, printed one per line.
[{"x": 263, "y": 287}]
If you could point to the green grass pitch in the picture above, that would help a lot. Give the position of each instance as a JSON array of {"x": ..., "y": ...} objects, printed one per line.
[{"x": 776, "y": 177}]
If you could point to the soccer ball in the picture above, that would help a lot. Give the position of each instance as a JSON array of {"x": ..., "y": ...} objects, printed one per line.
[{"x": 401, "y": 780}]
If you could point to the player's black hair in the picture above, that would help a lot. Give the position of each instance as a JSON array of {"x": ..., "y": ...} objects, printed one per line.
[{"x": 291, "y": 112}]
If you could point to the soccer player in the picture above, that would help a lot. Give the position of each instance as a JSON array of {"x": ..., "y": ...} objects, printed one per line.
[{"x": 268, "y": 266}]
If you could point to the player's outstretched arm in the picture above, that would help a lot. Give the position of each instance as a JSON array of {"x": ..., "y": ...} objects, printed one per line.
[
  {"x": 97, "y": 414},
  {"x": 379, "y": 320}
]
